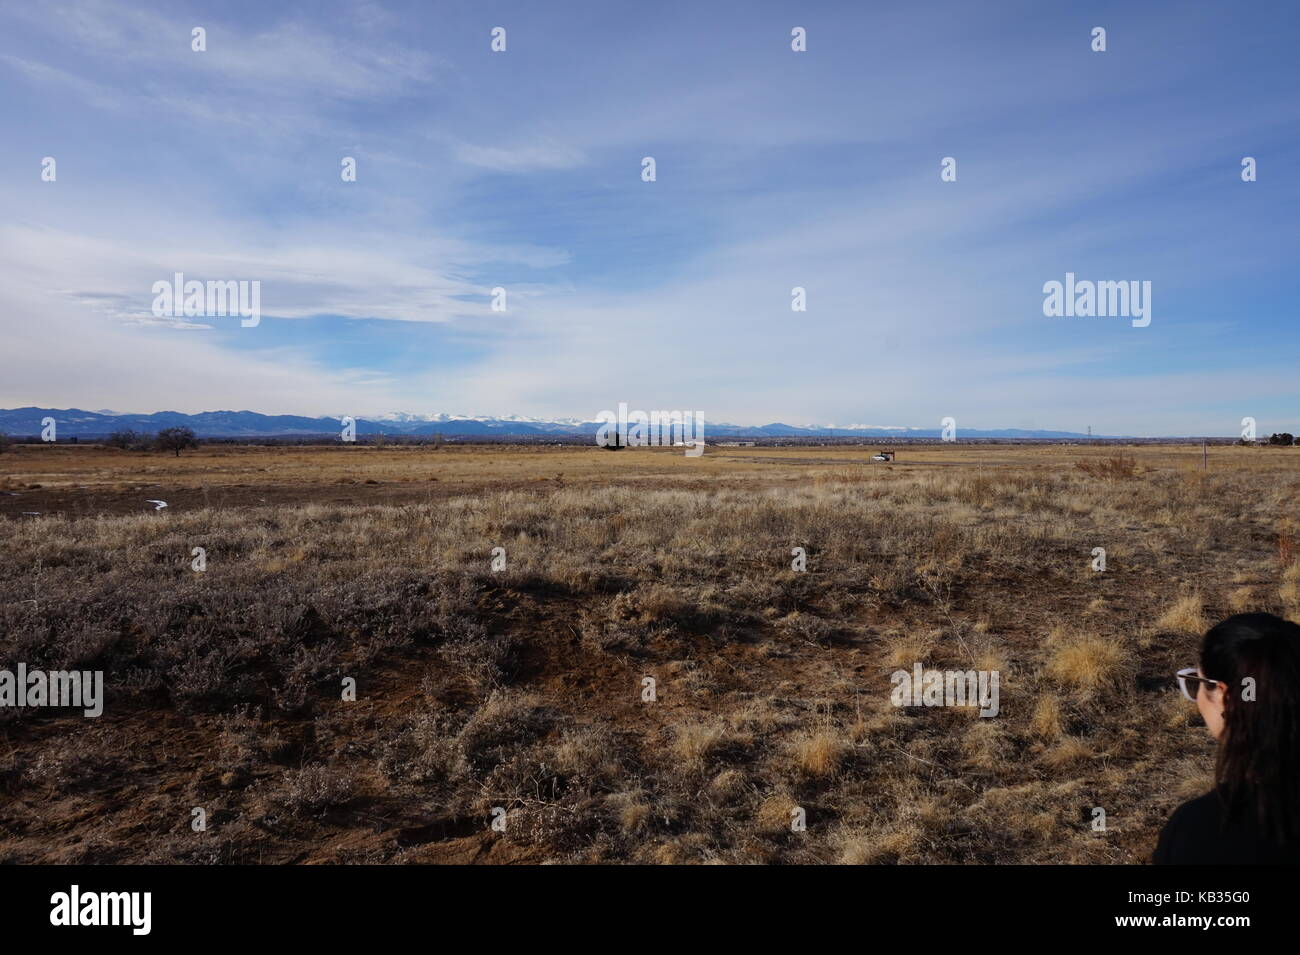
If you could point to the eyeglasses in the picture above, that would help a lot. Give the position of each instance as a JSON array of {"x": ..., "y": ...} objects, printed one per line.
[{"x": 1193, "y": 676}]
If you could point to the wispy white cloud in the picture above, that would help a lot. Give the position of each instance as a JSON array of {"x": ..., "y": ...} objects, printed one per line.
[
  {"x": 45, "y": 76},
  {"x": 382, "y": 276},
  {"x": 525, "y": 157}
]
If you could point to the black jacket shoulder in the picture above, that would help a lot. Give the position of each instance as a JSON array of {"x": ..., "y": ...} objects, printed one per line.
[{"x": 1198, "y": 833}]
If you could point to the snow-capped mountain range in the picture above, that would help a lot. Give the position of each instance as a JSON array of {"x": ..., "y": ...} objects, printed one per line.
[{"x": 74, "y": 422}]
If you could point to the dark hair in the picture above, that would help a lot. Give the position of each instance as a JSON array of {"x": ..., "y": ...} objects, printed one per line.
[{"x": 1258, "y": 769}]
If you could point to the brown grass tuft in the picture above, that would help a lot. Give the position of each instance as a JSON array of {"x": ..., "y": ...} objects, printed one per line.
[
  {"x": 1046, "y": 721},
  {"x": 1091, "y": 664},
  {"x": 1185, "y": 616},
  {"x": 820, "y": 753}
]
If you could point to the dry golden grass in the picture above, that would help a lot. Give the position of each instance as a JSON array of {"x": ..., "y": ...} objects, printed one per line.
[
  {"x": 1047, "y": 721},
  {"x": 1187, "y": 615},
  {"x": 775, "y": 814},
  {"x": 1067, "y": 753},
  {"x": 856, "y": 847},
  {"x": 1289, "y": 591},
  {"x": 728, "y": 785},
  {"x": 819, "y": 753},
  {"x": 65, "y": 466},
  {"x": 635, "y": 816},
  {"x": 904, "y": 650},
  {"x": 694, "y": 743},
  {"x": 521, "y": 688},
  {"x": 1243, "y": 599},
  {"x": 1088, "y": 663}
]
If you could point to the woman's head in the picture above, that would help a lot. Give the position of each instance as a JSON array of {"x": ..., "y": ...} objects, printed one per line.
[{"x": 1250, "y": 699}]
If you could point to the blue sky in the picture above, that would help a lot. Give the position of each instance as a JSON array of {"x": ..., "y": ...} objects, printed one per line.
[{"x": 775, "y": 169}]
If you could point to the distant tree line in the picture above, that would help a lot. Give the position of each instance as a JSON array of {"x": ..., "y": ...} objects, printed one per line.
[
  {"x": 129, "y": 440},
  {"x": 175, "y": 440},
  {"x": 1283, "y": 439}
]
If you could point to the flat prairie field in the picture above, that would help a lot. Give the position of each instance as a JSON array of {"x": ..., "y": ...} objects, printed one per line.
[{"x": 504, "y": 654}]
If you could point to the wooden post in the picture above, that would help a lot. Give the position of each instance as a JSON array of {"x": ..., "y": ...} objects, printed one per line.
[{"x": 1205, "y": 454}]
